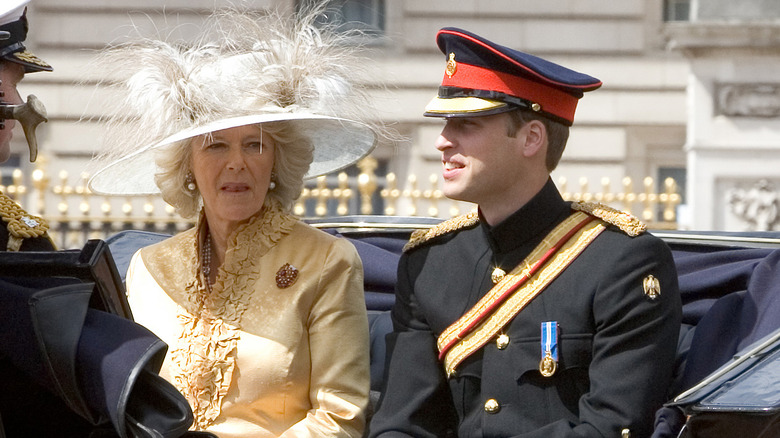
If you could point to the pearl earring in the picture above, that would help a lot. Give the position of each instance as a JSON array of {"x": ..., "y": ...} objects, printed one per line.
[
  {"x": 272, "y": 184},
  {"x": 189, "y": 182}
]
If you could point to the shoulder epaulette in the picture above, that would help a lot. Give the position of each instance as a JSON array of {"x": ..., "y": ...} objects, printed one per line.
[
  {"x": 421, "y": 236},
  {"x": 21, "y": 225},
  {"x": 627, "y": 222}
]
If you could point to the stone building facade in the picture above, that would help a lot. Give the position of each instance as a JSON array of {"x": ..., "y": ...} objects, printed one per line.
[{"x": 647, "y": 119}]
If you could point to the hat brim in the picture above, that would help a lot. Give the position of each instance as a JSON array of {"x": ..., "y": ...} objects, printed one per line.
[
  {"x": 338, "y": 143},
  {"x": 464, "y": 107}
]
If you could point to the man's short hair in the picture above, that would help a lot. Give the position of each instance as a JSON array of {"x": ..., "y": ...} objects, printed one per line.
[{"x": 557, "y": 133}]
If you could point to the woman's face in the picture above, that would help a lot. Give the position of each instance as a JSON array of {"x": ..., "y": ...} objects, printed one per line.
[{"x": 232, "y": 169}]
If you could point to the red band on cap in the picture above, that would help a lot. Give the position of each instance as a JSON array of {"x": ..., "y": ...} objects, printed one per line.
[
  {"x": 586, "y": 87},
  {"x": 552, "y": 100}
]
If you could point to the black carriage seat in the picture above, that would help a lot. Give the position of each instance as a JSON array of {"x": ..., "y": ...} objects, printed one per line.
[{"x": 72, "y": 362}]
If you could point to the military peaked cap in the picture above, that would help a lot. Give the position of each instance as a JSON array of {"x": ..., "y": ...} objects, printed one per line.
[
  {"x": 483, "y": 78},
  {"x": 13, "y": 32}
]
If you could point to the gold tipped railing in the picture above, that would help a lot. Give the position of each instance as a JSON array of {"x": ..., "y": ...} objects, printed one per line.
[{"x": 76, "y": 215}]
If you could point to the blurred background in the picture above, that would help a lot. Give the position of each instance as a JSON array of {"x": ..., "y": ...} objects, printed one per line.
[{"x": 684, "y": 133}]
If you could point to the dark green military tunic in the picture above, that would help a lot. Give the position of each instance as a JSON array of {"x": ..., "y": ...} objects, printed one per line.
[{"x": 617, "y": 339}]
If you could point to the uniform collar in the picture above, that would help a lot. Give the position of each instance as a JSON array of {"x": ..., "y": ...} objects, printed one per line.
[{"x": 546, "y": 209}]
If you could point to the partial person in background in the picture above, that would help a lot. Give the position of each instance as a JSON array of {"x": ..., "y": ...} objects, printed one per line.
[
  {"x": 532, "y": 317},
  {"x": 264, "y": 315},
  {"x": 19, "y": 230},
  {"x": 66, "y": 369},
  {"x": 21, "y": 398}
]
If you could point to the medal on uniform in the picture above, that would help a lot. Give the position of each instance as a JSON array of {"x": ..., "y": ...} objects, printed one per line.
[{"x": 549, "y": 363}]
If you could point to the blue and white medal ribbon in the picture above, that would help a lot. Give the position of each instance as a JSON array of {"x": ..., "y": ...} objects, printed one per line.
[{"x": 549, "y": 363}]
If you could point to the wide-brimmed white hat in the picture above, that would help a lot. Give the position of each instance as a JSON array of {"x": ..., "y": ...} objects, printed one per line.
[
  {"x": 259, "y": 70},
  {"x": 338, "y": 143}
]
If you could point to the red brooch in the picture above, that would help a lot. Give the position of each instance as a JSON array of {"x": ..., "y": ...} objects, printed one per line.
[{"x": 286, "y": 276}]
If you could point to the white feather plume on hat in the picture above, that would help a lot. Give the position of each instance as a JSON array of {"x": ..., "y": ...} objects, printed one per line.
[{"x": 243, "y": 69}]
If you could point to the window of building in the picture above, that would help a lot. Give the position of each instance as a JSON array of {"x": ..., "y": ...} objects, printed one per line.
[
  {"x": 365, "y": 16},
  {"x": 677, "y": 10},
  {"x": 355, "y": 201},
  {"x": 678, "y": 174},
  {"x": 7, "y": 169}
]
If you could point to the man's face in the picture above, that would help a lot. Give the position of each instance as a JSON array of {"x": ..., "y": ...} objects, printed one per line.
[
  {"x": 481, "y": 163},
  {"x": 10, "y": 75}
]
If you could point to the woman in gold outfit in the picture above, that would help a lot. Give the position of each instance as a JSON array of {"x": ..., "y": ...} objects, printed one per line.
[{"x": 264, "y": 315}]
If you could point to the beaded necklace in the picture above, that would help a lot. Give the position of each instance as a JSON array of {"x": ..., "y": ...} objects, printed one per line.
[{"x": 206, "y": 261}]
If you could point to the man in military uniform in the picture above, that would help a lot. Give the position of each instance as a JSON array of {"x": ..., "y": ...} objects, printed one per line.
[
  {"x": 19, "y": 230},
  {"x": 531, "y": 317}
]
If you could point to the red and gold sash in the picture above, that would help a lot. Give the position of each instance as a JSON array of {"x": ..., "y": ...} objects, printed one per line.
[{"x": 510, "y": 295}]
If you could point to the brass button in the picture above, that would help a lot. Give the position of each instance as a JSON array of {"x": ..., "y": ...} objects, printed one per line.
[
  {"x": 502, "y": 341},
  {"x": 625, "y": 433},
  {"x": 492, "y": 406},
  {"x": 497, "y": 275}
]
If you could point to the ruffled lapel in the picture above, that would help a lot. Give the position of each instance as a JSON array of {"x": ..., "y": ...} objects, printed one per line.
[
  {"x": 184, "y": 283},
  {"x": 238, "y": 275}
]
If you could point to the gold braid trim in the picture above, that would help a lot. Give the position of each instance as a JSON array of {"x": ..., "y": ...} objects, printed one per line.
[
  {"x": 421, "y": 236},
  {"x": 21, "y": 225},
  {"x": 621, "y": 219}
]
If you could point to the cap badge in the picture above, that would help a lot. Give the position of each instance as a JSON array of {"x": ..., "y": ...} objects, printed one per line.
[
  {"x": 652, "y": 287},
  {"x": 286, "y": 276},
  {"x": 452, "y": 66}
]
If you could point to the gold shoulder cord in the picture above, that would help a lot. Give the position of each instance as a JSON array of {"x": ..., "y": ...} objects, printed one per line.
[
  {"x": 21, "y": 225},
  {"x": 421, "y": 236},
  {"x": 628, "y": 223}
]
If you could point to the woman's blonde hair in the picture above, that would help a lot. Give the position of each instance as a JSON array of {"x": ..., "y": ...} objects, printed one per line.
[{"x": 293, "y": 153}]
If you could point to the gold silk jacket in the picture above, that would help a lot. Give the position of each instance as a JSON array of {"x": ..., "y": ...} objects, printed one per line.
[{"x": 280, "y": 347}]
